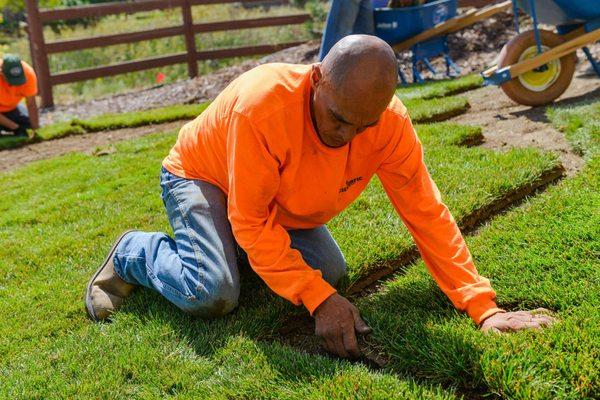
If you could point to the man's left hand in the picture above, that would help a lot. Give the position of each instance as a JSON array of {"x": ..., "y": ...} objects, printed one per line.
[{"x": 517, "y": 320}]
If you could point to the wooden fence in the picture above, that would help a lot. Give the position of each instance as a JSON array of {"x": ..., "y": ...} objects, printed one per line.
[{"x": 40, "y": 49}]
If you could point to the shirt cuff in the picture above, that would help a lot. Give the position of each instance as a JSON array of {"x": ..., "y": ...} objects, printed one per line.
[
  {"x": 482, "y": 309},
  {"x": 316, "y": 293}
]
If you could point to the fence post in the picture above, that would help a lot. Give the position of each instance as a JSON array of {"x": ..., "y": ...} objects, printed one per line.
[
  {"x": 190, "y": 42},
  {"x": 38, "y": 52}
]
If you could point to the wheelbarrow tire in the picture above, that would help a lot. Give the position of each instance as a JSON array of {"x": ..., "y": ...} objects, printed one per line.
[{"x": 510, "y": 54}]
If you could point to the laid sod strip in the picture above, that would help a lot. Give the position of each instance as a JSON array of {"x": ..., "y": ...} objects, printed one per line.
[
  {"x": 475, "y": 183},
  {"x": 109, "y": 122},
  {"x": 421, "y": 111},
  {"x": 545, "y": 253},
  {"x": 436, "y": 110},
  {"x": 57, "y": 222},
  {"x": 443, "y": 88},
  {"x": 581, "y": 125}
]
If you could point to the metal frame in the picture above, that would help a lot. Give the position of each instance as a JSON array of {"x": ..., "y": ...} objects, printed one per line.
[{"x": 577, "y": 37}]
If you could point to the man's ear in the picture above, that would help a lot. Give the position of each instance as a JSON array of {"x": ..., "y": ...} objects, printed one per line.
[{"x": 316, "y": 76}]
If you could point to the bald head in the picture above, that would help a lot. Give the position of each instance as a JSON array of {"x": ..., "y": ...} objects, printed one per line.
[
  {"x": 360, "y": 62},
  {"x": 351, "y": 88}
]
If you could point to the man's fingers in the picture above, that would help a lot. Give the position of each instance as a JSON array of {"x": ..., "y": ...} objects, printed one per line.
[
  {"x": 360, "y": 325},
  {"x": 340, "y": 350},
  {"x": 544, "y": 320},
  {"x": 328, "y": 345},
  {"x": 351, "y": 344}
]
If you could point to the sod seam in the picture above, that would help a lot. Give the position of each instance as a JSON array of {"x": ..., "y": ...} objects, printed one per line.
[{"x": 298, "y": 329}]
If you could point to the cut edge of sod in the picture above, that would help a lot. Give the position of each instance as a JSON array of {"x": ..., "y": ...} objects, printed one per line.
[
  {"x": 466, "y": 224},
  {"x": 440, "y": 88}
]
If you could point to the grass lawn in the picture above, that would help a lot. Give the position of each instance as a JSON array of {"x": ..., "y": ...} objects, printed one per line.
[
  {"x": 57, "y": 221},
  {"x": 421, "y": 111},
  {"x": 59, "y": 217},
  {"x": 581, "y": 125}
]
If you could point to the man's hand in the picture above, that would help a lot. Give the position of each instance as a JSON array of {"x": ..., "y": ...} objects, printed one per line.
[
  {"x": 517, "y": 320},
  {"x": 8, "y": 123},
  {"x": 336, "y": 322}
]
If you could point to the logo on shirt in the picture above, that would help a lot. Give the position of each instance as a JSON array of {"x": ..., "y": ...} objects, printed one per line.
[{"x": 349, "y": 183}]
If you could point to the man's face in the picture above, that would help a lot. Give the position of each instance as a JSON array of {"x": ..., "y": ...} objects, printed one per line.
[{"x": 339, "y": 118}]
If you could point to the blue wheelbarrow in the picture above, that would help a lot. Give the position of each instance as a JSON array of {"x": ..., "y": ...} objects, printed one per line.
[
  {"x": 423, "y": 29},
  {"x": 537, "y": 66},
  {"x": 395, "y": 25}
]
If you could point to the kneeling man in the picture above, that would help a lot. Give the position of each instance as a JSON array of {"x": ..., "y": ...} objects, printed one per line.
[
  {"x": 279, "y": 153},
  {"x": 17, "y": 81}
]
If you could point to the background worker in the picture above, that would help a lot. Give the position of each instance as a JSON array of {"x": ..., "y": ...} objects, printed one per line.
[
  {"x": 278, "y": 154},
  {"x": 346, "y": 17},
  {"x": 17, "y": 81}
]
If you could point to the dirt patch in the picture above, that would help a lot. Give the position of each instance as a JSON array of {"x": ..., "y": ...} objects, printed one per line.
[
  {"x": 507, "y": 124},
  {"x": 94, "y": 143}
]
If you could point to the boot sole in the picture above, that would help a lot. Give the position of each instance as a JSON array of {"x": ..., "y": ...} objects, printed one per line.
[{"x": 88, "y": 293}]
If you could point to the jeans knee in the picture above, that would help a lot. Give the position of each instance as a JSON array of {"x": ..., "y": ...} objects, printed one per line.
[
  {"x": 334, "y": 272},
  {"x": 215, "y": 302}
]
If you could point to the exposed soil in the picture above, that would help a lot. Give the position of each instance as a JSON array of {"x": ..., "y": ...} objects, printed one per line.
[{"x": 507, "y": 124}]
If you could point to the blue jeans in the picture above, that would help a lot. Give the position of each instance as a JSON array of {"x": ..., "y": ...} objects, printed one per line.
[
  {"x": 346, "y": 17},
  {"x": 20, "y": 116},
  {"x": 197, "y": 270}
]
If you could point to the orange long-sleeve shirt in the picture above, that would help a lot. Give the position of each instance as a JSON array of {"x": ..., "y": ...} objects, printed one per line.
[{"x": 257, "y": 143}]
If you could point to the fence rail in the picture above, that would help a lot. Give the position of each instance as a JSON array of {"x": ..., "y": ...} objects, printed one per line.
[{"x": 40, "y": 49}]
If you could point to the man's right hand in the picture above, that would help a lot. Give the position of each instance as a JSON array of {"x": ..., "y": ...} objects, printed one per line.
[{"x": 336, "y": 322}]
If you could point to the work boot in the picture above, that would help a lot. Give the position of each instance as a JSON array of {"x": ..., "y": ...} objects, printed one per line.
[{"x": 106, "y": 291}]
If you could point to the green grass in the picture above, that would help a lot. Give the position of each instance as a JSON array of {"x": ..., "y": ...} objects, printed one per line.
[
  {"x": 443, "y": 88},
  {"x": 421, "y": 111},
  {"x": 371, "y": 234},
  {"x": 57, "y": 221},
  {"x": 543, "y": 254},
  {"x": 581, "y": 125},
  {"x": 435, "y": 110}
]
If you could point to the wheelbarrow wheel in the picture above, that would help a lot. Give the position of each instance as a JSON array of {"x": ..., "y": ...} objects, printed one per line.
[{"x": 542, "y": 85}]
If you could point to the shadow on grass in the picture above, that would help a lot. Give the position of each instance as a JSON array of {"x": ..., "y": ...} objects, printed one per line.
[{"x": 422, "y": 336}]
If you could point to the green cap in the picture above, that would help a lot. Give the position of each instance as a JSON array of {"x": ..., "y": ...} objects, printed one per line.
[{"x": 13, "y": 70}]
